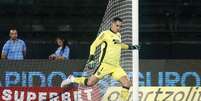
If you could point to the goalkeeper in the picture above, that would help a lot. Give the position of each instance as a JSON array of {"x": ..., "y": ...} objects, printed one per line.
[{"x": 109, "y": 62}]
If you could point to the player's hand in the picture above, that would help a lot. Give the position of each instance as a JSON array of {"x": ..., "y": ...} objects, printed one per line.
[
  {"x": 132, "y": 47},
  {"x": 91, "y": 64}
]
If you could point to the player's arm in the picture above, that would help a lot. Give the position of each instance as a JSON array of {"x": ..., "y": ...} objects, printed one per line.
[
  {"x": 130, "y": 47},
  {"x": 124, "y": 46},
  {"x": 91, "y": 63},
  {"x": 97, "y": 42},
  {"x": 127, "y": 46}
]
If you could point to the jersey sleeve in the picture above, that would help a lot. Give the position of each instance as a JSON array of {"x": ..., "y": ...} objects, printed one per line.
[
  {"x": 124, "y": 46},
  {"x": 101, "y": 37}
]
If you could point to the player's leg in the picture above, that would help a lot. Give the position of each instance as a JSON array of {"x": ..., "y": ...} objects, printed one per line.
[
  {"x": 67, "y": 81},
  {"x": 125, "y": 87},
  {"x": 101, "y": 71},
  {"x": 92, "y": 80},
  {"x": 104, "y": 69},
  {"x": 122, "y": 77}
]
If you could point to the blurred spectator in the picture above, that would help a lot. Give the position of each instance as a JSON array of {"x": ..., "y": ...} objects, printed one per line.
[
  {"x": 14, "y": 49},
  {"x": 62, "y": 53}
]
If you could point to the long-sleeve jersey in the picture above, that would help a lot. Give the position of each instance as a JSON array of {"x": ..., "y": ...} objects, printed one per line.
[{"x": 112, "y": 47}]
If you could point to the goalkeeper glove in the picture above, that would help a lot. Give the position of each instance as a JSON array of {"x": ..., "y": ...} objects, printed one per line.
[
  {"x": 132, "y": 47},
  {"x": 90, "y": 62}
]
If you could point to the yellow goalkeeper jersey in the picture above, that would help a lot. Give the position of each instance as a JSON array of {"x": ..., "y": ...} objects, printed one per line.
[{"x": 111, "y": 47}]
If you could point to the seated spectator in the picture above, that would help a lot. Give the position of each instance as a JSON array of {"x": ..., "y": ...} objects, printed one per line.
[
  {"x": 62, "y": 53},
  {"x": 14, "y": 49}
]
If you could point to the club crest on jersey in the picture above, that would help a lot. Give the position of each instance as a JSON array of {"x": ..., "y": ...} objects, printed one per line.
[{"x": 116, "y": 41}]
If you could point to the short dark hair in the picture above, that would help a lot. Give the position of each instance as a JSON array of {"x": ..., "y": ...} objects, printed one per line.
[
  {"x": 12, "y": 27},
  {"x": 117, "y": 19}
]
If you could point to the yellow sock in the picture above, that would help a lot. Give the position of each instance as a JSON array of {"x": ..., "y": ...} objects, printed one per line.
[
  {"x": 124, "y": 94},
  {"x": 80, "y": 80}
]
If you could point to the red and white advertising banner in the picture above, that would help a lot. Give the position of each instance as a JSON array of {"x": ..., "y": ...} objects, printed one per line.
[{"x": 49, "y": 94}]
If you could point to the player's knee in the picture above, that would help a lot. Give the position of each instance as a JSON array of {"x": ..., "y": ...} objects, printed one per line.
[
  {"x": 127, "y": 84},
  {"x": 90, "y": 83}
]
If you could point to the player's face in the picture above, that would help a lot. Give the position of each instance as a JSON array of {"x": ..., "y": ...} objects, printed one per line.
[
  {"x": 116, "y": 26},
  {"x": 13, "y": 34},
  {"x": 59, "y": 42}
]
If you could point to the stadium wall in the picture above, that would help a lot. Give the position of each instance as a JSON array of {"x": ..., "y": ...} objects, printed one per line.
[
  {"x": 37, "y": 72},
  {"x": 45, "y": 73}
]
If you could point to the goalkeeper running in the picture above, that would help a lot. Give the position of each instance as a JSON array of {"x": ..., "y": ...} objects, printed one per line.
[{"x": 109, "y": 62}]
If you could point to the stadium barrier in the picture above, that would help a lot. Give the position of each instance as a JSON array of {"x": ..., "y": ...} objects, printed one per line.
[
  {"x": 48, "y": 94},
  {"x": 157, "y": 94},
  {"x": 35, "y": 76},
  {"x": 41, "y": 73},
  {"x": 112, "y": 94},
  {"x": 170, "y": 72},
  {"x": 45, "y": 73}
]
